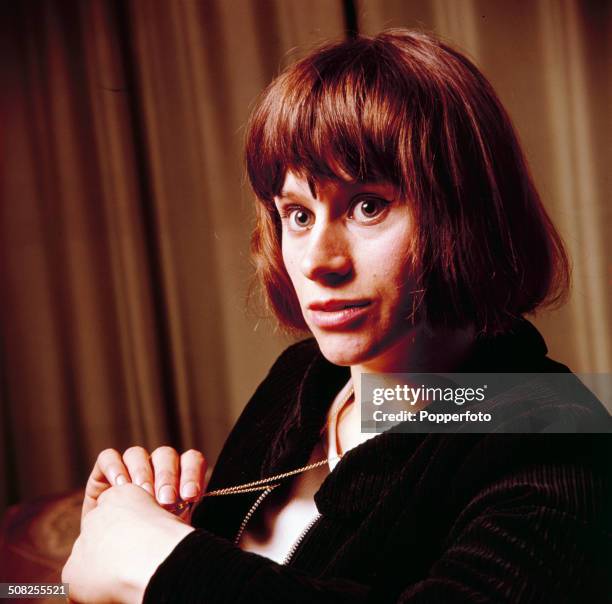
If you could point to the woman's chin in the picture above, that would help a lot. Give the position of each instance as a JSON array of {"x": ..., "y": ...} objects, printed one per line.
[
  {"x": 344, "y": 349},
  {"x": 371, "y": 347}
]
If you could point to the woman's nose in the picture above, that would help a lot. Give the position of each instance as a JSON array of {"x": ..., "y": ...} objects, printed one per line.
[{"x": 327, "y": 257}]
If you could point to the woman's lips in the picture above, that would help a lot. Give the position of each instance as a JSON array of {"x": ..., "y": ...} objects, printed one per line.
[{"x": 337, "y": 319}]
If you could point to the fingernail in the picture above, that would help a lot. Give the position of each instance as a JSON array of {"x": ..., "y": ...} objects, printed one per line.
[
  {"x": 167, "y": 494},
  {"x": 148, "y": 487},
  {"x": 121, "y": 479},
  {"x": 190, "y": 489}
]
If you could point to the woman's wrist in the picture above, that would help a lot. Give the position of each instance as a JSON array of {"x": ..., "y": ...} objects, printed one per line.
[{"x": 164, "y": 538}]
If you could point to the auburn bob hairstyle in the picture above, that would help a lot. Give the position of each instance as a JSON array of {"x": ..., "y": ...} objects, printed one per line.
[{"x": 405, "y": 108}]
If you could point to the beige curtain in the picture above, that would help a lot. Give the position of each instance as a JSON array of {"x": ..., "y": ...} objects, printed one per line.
[{"x": 124, "y": 216}]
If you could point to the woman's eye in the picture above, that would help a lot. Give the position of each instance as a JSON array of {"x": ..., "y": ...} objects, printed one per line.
[
  {"x": 299, "y": 219},
  {"x": 369, "y": 209}
]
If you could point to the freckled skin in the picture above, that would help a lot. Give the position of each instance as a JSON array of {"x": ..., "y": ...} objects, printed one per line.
[{"x": 334, "y": 249}]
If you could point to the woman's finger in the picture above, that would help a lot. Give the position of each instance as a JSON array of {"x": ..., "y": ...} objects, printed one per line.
[
  {"x": 136, "y": 460},
  {"x": 166, "y": 467},
  {"x": 110, "y": 467},
  {"x": 193, "y": 466},
  {"x": 108, "y": 471}
]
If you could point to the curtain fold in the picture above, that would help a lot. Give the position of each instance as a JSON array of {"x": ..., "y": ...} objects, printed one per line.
[{"x": 125, "y": 219}]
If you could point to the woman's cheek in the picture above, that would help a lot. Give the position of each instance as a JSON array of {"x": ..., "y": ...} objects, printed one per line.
[{"x": 290, "y": 263}]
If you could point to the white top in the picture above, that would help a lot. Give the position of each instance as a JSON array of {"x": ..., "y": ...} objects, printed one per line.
[{"x": 273, "y": 535}]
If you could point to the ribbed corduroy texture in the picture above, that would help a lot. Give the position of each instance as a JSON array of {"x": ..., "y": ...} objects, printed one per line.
[{"x": 408, "y": 517}]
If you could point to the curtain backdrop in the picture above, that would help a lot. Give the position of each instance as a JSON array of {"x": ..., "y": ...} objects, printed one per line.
[{"x": 125, "y": 218}]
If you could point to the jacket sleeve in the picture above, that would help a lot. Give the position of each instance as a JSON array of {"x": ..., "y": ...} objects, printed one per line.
[
  {"x": 528, "y": 543},
  {"x": 547, "y": 538}
]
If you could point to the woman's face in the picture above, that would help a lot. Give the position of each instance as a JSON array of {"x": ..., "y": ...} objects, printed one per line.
[{"x": 347, "y": 253}]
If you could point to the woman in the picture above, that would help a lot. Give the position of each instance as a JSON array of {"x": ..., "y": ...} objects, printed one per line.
[{"x": 397, "y": 222}]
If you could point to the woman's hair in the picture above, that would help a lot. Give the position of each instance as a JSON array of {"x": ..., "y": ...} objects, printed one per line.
[{"x": 405, "y": 108}]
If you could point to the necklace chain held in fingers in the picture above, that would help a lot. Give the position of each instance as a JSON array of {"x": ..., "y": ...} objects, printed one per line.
[{"x": 264, "y": 483}]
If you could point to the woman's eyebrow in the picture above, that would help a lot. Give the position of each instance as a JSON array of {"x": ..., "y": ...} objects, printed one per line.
[{"x": 291, "y": 196}]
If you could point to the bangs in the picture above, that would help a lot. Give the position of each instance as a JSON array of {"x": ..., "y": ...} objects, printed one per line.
[{"x": 344, "y": 119}]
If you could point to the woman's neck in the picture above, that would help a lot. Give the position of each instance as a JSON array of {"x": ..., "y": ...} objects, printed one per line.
[{"x": 422, "y": 350}]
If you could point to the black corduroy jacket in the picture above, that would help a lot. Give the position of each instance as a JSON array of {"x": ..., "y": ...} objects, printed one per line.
[{"x": 408, "y": 517}]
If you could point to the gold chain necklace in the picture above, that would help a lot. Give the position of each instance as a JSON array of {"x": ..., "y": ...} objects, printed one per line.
[
  {"x": 260, "y": 485},
  {"x": 263, "y": 483}
]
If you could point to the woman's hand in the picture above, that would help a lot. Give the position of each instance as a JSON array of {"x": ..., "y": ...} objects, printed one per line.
[
  {"x": 122, "y": 541},
  {"x": 124, "y": 534},
  {"x": 169, "y": 478}
]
